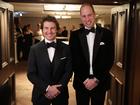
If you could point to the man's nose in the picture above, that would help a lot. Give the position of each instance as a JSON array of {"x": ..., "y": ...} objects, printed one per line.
[{"x": 49, "y": 30}]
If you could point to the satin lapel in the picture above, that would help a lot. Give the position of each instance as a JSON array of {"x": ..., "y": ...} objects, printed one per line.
[
  {"x": 45, "y": 52},
  {"x": 84, "y": 44},
  {"x": 97, "y": 40},
  {"x": 57, "y": 55}
]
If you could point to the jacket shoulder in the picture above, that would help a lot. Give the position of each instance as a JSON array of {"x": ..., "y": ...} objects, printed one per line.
[
  {"x": 77, "y": 32},
  {"x": 61, "y": 43},
  {"x": 38, "y": 45}
]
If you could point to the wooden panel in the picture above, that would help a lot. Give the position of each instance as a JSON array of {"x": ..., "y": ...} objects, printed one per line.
[
  {"x": 1, "y": 27},
  {"x": 7, "y": 75},
  {"x": 119, "y": 20},
  {"x": 135, "y": 90},
  {"x": 7, "y": 37},
  {"x": 115, "y": 94},
  {"x": 115, "y": 30},
  {"x": 10, "y": 36},
  {"x": 120, "y": 38},
  {"x": 119, "y": 28},
  {"x": 5, "y": 93},
  {"x": 0, "y": 42},
  {"x": 4, "y": 38},
  {"x": 7, "y": 71},
  {"x": 119, "y": 92}
]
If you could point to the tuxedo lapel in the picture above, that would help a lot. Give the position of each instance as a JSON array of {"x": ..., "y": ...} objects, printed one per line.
[
  {"x": 57, "y": 55},
  {"x": 97, "y": 40},
  {"x": 84, "y": 44},
  {"x": 45, "y": 52}
]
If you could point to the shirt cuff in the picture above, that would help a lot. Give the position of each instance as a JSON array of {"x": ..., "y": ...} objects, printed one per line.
[
  {"x": 96, "y": 80},
  {"x": 47, "y": 88}
]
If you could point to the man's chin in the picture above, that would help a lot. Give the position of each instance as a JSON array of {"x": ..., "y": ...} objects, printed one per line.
[
  {"x": 88, "y": 26},
  {"x": 50, "y": 39}
]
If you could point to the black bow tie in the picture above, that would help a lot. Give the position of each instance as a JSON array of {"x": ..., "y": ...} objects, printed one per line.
[
  {"x": 89, "y": 30},
  {"x": 52, "y": 44}
]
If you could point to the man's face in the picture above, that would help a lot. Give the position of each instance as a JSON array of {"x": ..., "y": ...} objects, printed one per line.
[
  {"x": 87, "y": 16},
  {"x": 49, "y": 30}
]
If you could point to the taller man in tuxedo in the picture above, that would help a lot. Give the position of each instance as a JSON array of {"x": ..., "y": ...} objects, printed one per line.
[
  {"x": 92, "y": 50},
  {"x": 49, "y": 67}
]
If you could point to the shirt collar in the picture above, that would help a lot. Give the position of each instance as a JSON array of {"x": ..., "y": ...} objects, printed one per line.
[
  {"x": 90, "y": 28},
  {"x": 48, "y": 41}
]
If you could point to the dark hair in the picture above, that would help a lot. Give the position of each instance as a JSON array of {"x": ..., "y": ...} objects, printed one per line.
[
  {"x": 87, "y": 4},
  {"x": 50, "y": 19}
]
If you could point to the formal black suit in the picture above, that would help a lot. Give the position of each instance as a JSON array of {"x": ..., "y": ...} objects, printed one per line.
[
  {"x": 103, "y": 57},
  {"x": 64, "y": 33},
  {"x": 41, "y": 72},
  {"x": 19, "y": 42}
]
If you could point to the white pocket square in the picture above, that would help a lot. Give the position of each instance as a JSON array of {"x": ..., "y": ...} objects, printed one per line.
[
  {"x": 102, "y": 43},
  {"x": 62, "y": 58}
]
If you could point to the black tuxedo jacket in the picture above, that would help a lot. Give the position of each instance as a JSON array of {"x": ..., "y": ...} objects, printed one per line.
[
  {"x": 103, "y": 57},
  {"x": 40, "y": 72}
]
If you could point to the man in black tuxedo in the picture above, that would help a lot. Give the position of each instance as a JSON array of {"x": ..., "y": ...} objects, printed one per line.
[
  {"x": 49, "y": 67},
  {"x": 92, "y": 57},
  {"x": 19, "y": 36},
  {"x": 64, "y": 32}
]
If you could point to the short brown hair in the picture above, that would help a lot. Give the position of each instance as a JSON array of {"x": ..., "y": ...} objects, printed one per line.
[
  {"x": 50, "y": 19},
  {"x": 87, "y": 4}
]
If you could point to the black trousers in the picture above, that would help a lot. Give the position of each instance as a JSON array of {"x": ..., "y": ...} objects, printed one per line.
[
  {"x": 83, "y": 97},
  {"x": 62, "y": 99}
]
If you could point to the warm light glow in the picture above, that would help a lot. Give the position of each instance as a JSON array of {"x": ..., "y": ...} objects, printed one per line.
[
  {"x": 61, "y": 7},
  {"x": 115, "y": 2},
  {"x": 62, "y": 10},
  {"x": 18, "y": 14},
  {"x": 61, "y": 13},
  {"x": 62, "y": 17},
  {"x": 71, "y": 7},
  {"x": 65, "y": 17},
  {"x": 54, "y": 7},
  {"x": 57, "y": 16}
]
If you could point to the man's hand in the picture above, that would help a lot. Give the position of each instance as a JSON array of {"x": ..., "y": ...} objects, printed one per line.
[
  {"x": 90, "y": 83},
  {"x": 53, "y": 91}
]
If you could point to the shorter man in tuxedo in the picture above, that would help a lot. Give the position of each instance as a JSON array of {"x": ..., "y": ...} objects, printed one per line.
[{"x": 49, "y": 67}]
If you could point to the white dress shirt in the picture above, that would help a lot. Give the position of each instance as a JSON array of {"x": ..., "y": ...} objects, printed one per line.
[
  {"x": 90, "y": 41},
  {"x": 51, "y": 50}
]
